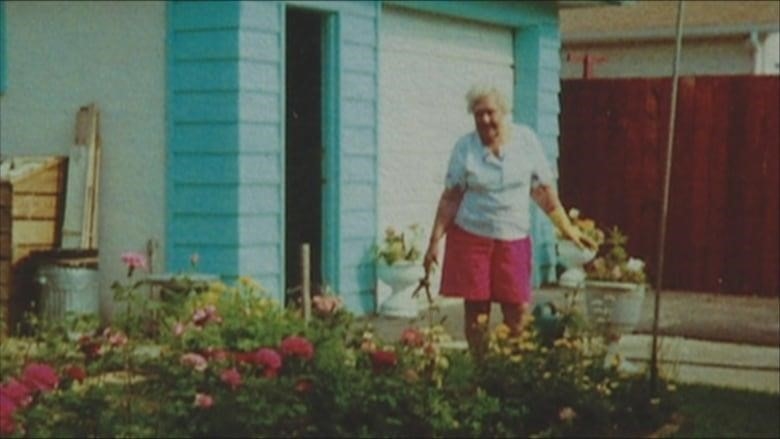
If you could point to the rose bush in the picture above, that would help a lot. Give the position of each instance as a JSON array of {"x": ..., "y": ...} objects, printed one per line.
[{"x": 231, "y": 362}]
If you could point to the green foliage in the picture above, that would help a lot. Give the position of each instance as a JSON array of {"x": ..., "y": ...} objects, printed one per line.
[
  {"x": 400, "y": 246},
  {"x": 227, "y": 361}
]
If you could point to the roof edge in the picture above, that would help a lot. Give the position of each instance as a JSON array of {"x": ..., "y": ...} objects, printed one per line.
[{"x": 669, "y": 33}]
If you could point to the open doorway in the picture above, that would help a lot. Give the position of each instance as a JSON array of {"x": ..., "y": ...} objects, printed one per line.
[{"x": 304, "y": 177}]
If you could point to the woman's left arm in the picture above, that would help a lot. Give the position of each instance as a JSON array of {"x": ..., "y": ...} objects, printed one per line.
[{"x": 547, "y": 198}]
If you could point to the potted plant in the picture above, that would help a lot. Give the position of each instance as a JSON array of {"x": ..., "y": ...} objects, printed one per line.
[
  {"x": 398, "y": 264},
  {"x": 615, "y": 287},
  {"x": 573, "y": 257}
]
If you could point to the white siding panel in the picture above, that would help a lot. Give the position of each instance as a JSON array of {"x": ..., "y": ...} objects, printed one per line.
[
  {"x": 259, "y": 137},
  {"x": 260, "y": 46},
  {"x": 259, "y": 76},
  {"x": 427, "y": 66}
]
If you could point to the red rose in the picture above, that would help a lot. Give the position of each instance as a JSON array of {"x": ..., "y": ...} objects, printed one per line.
[
  {"x": 295, "y": 346},
  {"x": 269, "y": 359},
  {"x": 16, "y": 392},
  {"x": 382, "y": 360},
  {"x": 231, "y": 377},
  {"x": 40, "y": 377},
  {"x": 76, "y": 373},
  {"x": 304, "y": 385}
]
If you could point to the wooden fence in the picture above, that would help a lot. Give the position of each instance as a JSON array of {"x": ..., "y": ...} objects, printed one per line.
[{"x": 722, "y": 229}]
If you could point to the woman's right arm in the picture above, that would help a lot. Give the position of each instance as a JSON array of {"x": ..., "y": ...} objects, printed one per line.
[{"x": 445, "y": 213}]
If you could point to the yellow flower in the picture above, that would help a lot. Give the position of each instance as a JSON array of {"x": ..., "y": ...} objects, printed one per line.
[
  {"x": 502, "y": 331},
  {"x": 482, "y": 319}
]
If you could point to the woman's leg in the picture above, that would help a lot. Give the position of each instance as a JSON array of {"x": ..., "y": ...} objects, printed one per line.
[
  {"x": 475, "y": 332},
  {"x": 513, "y": 316}
]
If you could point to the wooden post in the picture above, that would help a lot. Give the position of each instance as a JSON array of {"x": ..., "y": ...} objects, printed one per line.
[{"x": 305, "y": 282}]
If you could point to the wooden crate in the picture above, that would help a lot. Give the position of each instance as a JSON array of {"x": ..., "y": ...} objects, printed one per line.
[{"x": 38, "y": 194}]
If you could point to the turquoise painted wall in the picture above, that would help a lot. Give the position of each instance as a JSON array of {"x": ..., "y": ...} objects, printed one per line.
[
  {"x": 225, "y": 189},
  {"x": 225, "y": 184}
]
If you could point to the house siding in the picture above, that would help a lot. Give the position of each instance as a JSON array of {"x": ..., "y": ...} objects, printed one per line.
[
  {"x": 226, "y": 154},
  {"x": 536, "y": 104}
]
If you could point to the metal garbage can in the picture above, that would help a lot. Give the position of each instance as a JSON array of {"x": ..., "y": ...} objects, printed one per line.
[{"x": 68, "y": 283}]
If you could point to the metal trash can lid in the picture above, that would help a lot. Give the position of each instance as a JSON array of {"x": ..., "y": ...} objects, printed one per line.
[{"x": 66, "y": 257}]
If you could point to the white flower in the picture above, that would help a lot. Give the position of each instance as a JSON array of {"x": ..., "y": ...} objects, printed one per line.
[
  {"x": 574, "y": 213},
  {"x": 635, "y": 264}
]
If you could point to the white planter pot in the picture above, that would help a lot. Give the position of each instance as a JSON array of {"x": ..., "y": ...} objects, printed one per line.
[
  {"x": 619, "y": 304},
  {"x": 573, "y": 258},
  {"x": 401, "y": 277}
]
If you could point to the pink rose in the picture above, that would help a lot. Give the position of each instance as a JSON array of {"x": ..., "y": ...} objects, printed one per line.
[
  {"x": 295, "y": 346},
  {"x": 17, "y": 392},
  {"x": 133, "y": 260},
  {"x": 269, "y": 359},
  {"x": 201, "y": 316},
  {"x": 115, "y": 338},
  {"x": 231, "y": 377},
  {"x": 412, "y": 337},
  {"x": 215, "y": 354},
  {"x": 7, "y": 410},
  {"x": 40, "y": 377},
  {"x": 203, "y": 400},
  {"x": 196, "y": 361},
  {"x": 326, "y": 305},
  {"x": 178, "y": 329}
]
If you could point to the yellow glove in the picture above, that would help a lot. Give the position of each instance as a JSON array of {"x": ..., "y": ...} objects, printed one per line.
[{"x": 561, "y": 221}]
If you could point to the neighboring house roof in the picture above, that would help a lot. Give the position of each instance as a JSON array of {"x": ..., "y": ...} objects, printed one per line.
[{"x": 657, "y": 20}]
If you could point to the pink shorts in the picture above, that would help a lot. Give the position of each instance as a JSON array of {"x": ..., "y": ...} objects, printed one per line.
[{"x": 485, "y": 269}]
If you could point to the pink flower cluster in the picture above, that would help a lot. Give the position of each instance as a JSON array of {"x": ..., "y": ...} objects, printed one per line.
[
  {"x": 207, "y": 314},
  {"x": 19, "y": 393},
  {"x": 295, "y": 346},
  {"x": 268, "y": 360},
  {"x": 412, "y": 337},
  {"x": 93, "y": 346},
  {"x": 133, "y": 261},
  {"x": 326, "y": 305}
]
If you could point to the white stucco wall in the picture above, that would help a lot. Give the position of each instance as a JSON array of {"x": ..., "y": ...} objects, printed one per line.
[
  {"x": 427, "y": 65},
  {"x": 62, "y": 55},
  {"x": 769, "y": 58},
  {"x": 655, "y": 58}
]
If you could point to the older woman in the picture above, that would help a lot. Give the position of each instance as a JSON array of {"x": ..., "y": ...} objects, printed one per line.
[{"x": 493, "y": 173}]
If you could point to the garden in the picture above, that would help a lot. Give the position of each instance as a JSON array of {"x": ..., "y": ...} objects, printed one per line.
[{"x": 212, "y": 359}]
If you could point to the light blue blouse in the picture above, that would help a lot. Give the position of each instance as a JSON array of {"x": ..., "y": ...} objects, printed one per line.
[{"x": 497, "y": 189}]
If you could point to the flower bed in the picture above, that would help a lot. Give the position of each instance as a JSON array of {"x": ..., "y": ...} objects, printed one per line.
[{"x": 229, "y": 361}]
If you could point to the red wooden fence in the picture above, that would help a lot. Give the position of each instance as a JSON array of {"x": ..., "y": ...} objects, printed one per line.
[{"x": 722, "y": 230}]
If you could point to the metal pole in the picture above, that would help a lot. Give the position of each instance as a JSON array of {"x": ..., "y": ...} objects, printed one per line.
[
  {"x": 305, "y": 282},
  {"x": 665, "y": 199}
]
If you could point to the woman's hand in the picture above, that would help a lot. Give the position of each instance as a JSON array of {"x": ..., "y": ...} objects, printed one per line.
[{"x": 579, "y": 239}]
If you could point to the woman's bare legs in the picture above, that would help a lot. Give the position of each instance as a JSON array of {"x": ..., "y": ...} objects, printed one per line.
[
  {"x": 513, "y": 316},
  {"x": 475, "y": 333}
]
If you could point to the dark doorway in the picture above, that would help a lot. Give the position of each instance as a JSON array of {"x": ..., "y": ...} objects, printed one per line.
[{"x": 304, "y": 144}]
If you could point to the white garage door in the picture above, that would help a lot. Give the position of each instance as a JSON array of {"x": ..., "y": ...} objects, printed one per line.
[{"x": 427, "y": 63}]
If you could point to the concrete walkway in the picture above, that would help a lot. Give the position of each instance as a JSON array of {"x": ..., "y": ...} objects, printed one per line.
[{"x": 729, "y": 341}]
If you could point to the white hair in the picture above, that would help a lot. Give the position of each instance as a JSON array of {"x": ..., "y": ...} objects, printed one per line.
[{"x": 481, "y": 91}]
